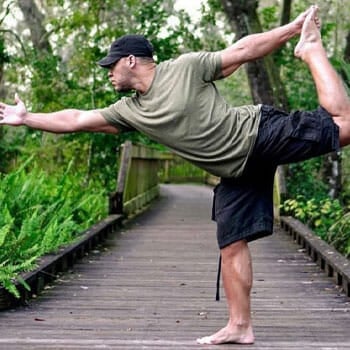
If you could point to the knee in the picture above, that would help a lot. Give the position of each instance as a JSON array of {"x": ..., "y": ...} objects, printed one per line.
[
  {"x": 344, "y": 130},
  {"x": 233, "y": 250}
]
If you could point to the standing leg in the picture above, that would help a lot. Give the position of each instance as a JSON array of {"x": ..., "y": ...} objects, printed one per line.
[
  {"x": 237, "y": 281},
  {"x": 331, "y": 92}
]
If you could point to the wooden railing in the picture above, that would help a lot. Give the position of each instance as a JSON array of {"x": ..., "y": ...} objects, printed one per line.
[
  {"x": 176, "y": 170},
  {"x": 137, "y": 183},
  {"x": 333, "y": 263}
]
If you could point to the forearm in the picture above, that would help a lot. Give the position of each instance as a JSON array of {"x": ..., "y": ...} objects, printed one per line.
[
  {"x": 63, "y": 121},
  {"x": 258, "y": 45},
  {"x": 255, "y": 46},
  {"x": 68, "y": 121}
]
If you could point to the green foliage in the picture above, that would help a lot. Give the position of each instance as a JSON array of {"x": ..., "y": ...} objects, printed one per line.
[
  {"x": 269, "y": 17},
  {"x": 4, "y": 57},
  {"x": 309, "y": 202},
  {"x": 39, "y": 214},
  {"x": 305, "y": 178},
  {"x": 319, "y": 214},
  {"x": 325, "y": 216},
  {"x": 338, "y": 234}
]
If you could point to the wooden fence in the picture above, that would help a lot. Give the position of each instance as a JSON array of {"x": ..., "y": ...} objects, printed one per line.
[
  {"x": 138, "y": 180},
  {"x": 174, "y": 169}
]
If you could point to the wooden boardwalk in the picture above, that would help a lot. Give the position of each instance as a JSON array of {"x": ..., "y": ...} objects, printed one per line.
[{"x": 153, "y": 287}]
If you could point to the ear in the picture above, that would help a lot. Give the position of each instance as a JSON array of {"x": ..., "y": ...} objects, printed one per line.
[{"x": 131, "y": 61}]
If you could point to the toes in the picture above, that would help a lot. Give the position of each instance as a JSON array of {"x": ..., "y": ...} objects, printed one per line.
[{"x": 204, "y": 340}]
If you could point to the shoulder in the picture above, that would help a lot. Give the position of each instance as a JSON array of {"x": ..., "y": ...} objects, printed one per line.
[
  {"x": 204, "y": 63},
  {"x": 114, "y": 114},
  {"x": 199, "y": 57}
]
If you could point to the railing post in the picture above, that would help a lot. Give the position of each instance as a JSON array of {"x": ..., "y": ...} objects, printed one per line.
[{"x": 116, "y": 198}]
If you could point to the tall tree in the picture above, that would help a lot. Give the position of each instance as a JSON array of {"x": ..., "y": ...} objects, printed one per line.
[
  {"x": 347, "y": 49},
  {"x": 34, "y": 19},
  {"x": 286, "y": 9},
  {"x": 265, "y": 85}
]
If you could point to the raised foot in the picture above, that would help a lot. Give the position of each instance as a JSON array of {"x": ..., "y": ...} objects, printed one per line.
[
  {"x": 310, "y": 38},
  {"x": 227, "y": 335}
]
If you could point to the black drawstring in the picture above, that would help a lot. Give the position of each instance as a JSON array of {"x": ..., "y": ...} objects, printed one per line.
[{"x": 218, "y": 280}]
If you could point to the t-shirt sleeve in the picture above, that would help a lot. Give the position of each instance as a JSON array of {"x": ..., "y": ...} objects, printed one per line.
[
  {"x": 113, "y": 117},
  {"x": 209, "y": 65}
]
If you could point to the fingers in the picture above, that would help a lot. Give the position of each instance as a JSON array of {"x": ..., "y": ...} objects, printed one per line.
[{"x": 17, "y": 99}]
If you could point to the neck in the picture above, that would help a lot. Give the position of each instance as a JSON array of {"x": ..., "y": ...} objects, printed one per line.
[{"x": 145, "y": 78}]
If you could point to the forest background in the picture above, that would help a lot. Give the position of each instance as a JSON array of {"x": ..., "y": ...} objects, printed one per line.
[{"x": 54, "y": 186}]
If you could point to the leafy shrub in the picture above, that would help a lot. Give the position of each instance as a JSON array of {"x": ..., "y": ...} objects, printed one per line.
[
  {"x": 339, "y": 235},
  {"x": 325, "y": 217},
  {"x": 40, "y": 213}
]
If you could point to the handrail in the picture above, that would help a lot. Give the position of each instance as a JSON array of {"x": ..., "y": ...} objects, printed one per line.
[
  {"x": 137, "y": 183},
  {"x": 328, "y": 258},
  {"x": 175, "y": 169},
  {"x": 116, "y": 198}
]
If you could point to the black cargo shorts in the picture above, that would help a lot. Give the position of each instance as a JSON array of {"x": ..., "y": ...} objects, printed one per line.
[{"x": 243, "y": 206}]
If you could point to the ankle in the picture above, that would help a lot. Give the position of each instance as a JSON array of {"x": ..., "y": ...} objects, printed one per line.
[{"x": 239, "y": 324}]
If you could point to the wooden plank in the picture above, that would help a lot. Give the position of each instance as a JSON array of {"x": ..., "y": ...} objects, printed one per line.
[{"x": 153, "y": 287}]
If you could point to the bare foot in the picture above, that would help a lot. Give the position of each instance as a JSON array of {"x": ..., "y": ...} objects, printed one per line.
[
  {"x": 310, "y": 38},
  {"x": 227, "y": 335}
]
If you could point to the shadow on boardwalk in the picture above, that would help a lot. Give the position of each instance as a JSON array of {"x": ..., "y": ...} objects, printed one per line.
[{"x": 153, "y": 287}]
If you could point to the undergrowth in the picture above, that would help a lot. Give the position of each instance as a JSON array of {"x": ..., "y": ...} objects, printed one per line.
[
  {"x": 310, "y": 203},
  {"x": 39, "y": 213}
]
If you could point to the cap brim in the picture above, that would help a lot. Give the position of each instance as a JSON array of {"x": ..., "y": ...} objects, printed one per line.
[{"x": 108, "y": 61}]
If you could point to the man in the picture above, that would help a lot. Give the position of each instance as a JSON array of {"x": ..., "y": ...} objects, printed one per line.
[{"x": 177, "y": 104}]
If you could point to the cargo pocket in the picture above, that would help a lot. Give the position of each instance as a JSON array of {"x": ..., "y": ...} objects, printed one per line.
[{"x": 306, "y": 126}]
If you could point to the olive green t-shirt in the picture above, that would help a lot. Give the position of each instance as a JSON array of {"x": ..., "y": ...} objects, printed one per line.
[{"x": 183, "y": 110}]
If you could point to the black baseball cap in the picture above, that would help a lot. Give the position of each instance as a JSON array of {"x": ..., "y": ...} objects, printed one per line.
[{"x": 131, "y": 44}]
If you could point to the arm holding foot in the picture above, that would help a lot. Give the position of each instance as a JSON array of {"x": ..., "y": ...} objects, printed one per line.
[{"x": 255, "y": 46}]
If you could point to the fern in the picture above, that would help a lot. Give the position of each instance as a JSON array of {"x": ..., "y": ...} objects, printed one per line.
[{"x": 39, "y": 213}]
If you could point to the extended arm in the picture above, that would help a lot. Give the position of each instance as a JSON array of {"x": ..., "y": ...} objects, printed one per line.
[
  {"x": 258, "y": 45},
  {"x": 64, "y": 121}
]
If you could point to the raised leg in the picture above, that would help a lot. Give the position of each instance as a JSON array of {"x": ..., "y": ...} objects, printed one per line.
[
  {"x": 237, "y": 281},
  {"x": 331, "y": 92}
]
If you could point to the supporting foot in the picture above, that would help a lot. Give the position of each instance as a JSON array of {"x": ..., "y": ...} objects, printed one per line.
[{"x": 229, "y": 335}]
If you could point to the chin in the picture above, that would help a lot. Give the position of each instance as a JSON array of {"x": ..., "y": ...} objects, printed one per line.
[{"x": 121, "y": 89}]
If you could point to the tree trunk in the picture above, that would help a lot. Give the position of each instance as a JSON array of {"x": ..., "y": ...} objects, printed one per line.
[
  {"x": 332, "y": 174},
  {"x": 3, "y": 60},
  {"x": 347, "y": 49},
  {"x": 265, "y": 84},
  {"x": 34, "y": 19},
  {"x": 285, "y": 17}
]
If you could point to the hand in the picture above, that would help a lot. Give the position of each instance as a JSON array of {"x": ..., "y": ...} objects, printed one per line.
[
  {"x": 299, "y": 21},
  {"x": 13, "y": 115}
]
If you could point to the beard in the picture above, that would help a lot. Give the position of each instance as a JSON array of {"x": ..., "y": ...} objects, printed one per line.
[{"x": 123, "y": 89}]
